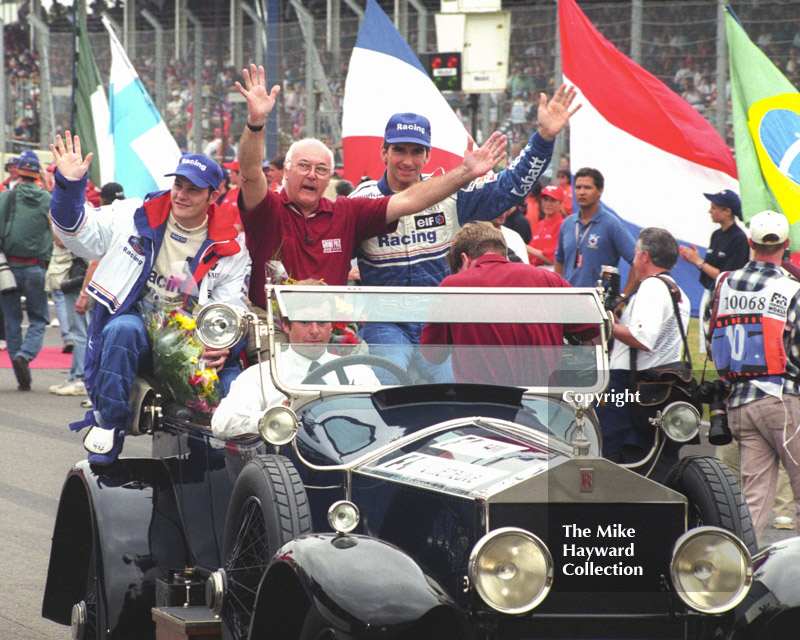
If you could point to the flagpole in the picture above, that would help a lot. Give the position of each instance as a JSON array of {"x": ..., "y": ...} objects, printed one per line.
[
  {"x": 559, "y": 149},
  {"x": 74, "y": 62},
  {"x": 2, "y": 92},
  {"x": 721, "y": 107}
]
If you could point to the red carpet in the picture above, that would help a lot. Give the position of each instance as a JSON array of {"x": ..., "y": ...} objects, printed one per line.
[{"x": 48, "y": 358}]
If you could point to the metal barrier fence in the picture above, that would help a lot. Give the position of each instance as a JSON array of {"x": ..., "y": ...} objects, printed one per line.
[{"x": 677, "y": 41}]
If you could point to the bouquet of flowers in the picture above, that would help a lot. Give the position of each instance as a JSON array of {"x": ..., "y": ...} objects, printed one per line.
[{"x": 179, "y": 364}]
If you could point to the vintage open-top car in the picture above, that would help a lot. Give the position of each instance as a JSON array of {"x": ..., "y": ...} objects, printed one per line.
[{"x": 471, "y": 502}]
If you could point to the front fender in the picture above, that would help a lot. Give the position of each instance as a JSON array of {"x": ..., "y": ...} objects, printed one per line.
[
  {"x": 357, "y": 583},
  {"x": 126, "y": 518},
  {"x": 771, "y": 610}
]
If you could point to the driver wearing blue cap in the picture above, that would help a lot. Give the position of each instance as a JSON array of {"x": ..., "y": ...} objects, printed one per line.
[
  {"x": 415, "y": 254},
  {"x": 173, "y": 250}
]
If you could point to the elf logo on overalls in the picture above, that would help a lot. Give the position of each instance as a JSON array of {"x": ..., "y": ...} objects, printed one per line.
[{"x": 429, "y": 221}]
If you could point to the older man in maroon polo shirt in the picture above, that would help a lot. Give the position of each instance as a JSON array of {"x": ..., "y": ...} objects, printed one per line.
[{"x": 312, "y": 236}]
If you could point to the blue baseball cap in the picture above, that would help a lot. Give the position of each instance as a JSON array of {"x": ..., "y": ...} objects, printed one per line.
[
  {"x": 408, "y": 127},
  {"x": 200, "y": 169},
  {"x": 727, "y": 198},
  {"x": 28, "y": 164}
]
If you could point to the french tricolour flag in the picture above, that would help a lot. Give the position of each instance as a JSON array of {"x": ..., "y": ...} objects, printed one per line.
[
  {"x": 657, "y": 153},
  {"x": 385, "y": 77}
]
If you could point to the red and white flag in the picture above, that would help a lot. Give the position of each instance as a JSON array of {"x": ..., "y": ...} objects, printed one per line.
[
  {"x": 385, "y": 77},
  {"x": 658, "y": 155}
]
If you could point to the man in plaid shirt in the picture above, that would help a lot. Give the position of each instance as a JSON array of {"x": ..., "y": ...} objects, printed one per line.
[{"x": 755, "y": 340}]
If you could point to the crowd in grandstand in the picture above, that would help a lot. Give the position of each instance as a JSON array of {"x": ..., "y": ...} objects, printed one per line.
[{"x": 678, "y": 50}]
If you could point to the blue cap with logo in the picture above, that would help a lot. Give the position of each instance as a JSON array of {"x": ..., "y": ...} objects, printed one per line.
[
  {"x": 408, "y": 127},
  {"x": 28, "y": 164},
  {"x": 727, "y": 198},
  {"x": 200, "y": 169}
]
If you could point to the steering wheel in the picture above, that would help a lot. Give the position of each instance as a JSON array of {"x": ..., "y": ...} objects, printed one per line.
[{"x": 338, "y": 365}]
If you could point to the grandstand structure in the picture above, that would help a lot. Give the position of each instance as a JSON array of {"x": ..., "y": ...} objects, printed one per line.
[{"x": 188, "y": 54}]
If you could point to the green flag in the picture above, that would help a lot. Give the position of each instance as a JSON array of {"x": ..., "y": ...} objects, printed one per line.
[
  {"x": 90, "y": 114},
  {"x": 766, "y": 129}
]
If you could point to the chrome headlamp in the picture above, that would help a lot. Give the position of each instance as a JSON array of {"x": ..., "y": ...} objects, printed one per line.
[
  {"x": 278, "y": 425},
  {"x": 343, "y": 516},
  {"x": 511, "y": 569},
  {"x": 711, "y": 569},
  {"x": 220, "y": 325},
  {"x": 680, "y": 421}
]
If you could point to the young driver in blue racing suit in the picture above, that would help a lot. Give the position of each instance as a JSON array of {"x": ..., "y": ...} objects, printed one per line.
[
  {"x": 415, "y": 254},
  {"x": 147, "y": 253}
]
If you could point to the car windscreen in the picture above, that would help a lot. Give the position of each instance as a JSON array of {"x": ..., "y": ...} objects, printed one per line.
[{"x": 544, "y": 340}]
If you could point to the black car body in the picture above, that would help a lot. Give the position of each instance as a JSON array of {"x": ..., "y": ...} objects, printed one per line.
[{"x": 478, "y": 510}]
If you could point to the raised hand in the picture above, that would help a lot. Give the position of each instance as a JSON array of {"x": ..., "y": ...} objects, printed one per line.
[
  {"x": 480, "y": 161},
  {"x": 69, "y": 161},
  {"x": 259, "y": 102},
  {"x": 554, "y": 115}
]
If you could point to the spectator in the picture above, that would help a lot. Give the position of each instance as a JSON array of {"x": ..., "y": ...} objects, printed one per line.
[
  {"x": 646, "y": 335},
  {"x": 56, "y": 273},
  {"x": 344, "y": 188},
  {"x": 593, "y": 237},
  {"x": 516, "y": 251},
  {"x": 564, "y": 181},
  {"x": 764, "y": 403},
  {"x": 275, "y": 173},
  {"x": 230, "y": 201},
  {"x": 168, "y": 231},
  {"x": 543, "y": 244},
  {"x": 27, "y": 243},
  {"x": 13, "y": 175},
  {"x": 517, "y": 221}
]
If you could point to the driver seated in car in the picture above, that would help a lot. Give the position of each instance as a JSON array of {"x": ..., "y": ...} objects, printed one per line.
[{"x": 240, "y": 410}]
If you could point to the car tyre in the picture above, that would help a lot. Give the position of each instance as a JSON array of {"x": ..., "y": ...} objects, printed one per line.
[
  {"x": 714, "y": 495},
  {"x": 268, "y": 508},
  {"x": 85, "y": 616}
]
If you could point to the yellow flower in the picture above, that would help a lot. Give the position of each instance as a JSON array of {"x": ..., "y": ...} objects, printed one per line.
[{"x": 187, "y": 324}]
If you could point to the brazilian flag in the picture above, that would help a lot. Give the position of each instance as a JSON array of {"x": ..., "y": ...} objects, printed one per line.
[{"x": 766, "y": 128}]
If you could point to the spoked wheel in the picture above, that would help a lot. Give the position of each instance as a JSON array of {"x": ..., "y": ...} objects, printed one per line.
[
  {"x": 715, "y": 498},
  {"x": 268, "y": 508},
  {"x": 85, "y": 613}
]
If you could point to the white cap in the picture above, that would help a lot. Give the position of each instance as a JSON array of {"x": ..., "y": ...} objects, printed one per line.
[{"x": 769, "y": 227}]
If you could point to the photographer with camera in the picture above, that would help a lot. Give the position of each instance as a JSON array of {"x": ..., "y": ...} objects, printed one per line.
[
  {"x": 755, "y": 339},
  {"x": 646, "y": 335}
]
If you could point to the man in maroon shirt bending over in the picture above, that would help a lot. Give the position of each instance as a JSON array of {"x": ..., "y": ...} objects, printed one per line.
[
  {"x": 312, "y": 236},
  {"x": 477, "y": 258}
]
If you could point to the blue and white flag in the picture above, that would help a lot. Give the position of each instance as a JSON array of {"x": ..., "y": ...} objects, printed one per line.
[{"x": 144, "y": 149}]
